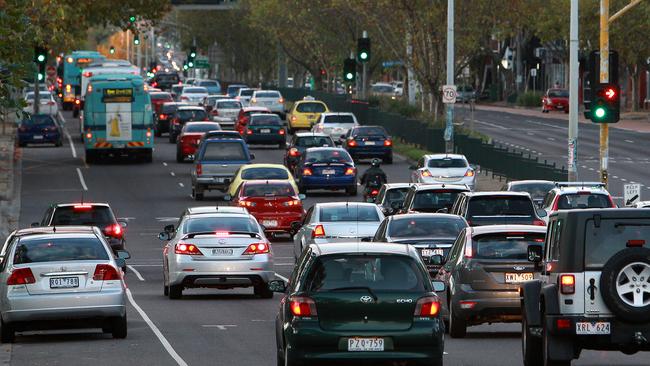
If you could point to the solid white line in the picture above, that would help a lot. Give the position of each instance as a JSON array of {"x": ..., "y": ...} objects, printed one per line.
[
  {"x": 156, "y": 331},
  {"x": 281, "y": 277},
  {"x": 629, "y": 141},
  {"x": 284, "y": 264},
  {"x": 74, "y": 151},
  {"x": 181, "y": 184},
  {"x": 81, "y": 179},
  {"x": 136, "y": 273},
  {"x": 145, "y": 265}
]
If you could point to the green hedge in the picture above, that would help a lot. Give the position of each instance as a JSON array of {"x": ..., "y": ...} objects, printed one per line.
[{"x": 530, "y": 99}]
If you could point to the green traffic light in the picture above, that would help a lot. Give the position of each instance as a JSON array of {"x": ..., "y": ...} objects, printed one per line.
[
  {"x": 41, "y": 58},
  {"x": 190, "y": 64},
  {"x": 599, "y": 112},
  {"x": 132, "y": 18},
  {"x": 364, "y": 55},
  {"x": 112, "y": 50},
  {"x": 136, "y": 40},
  {"x": 40, "y": 76},
  {"x": 349, "y": 76},
  {"x": 185, "y": 67}
]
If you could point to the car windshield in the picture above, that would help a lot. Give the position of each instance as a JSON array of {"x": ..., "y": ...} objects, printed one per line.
[
  {"x": 311, "y": 107},
  {"x": 265, "y": 173},
  {"x": 348, "y": 213},
  {"x": 558, "y": 93},
  {"x": 195, "y": 91},
  {"x": 395, "y": 195},
  {"x": 447, "y": 163},
  {"x": 267, "y": 95},
  {"x": 376, "y": 272},
  {"x": 432, "y": 201},
  {"x": 500, "y": 206},
  {"x": 583, "y": 200},
  {"x": 228, "y": 105},
  {"x": 202, "y": 127},
  {"x": 271, "y": 189},
  {"x": 328, "y": 156},
  {"x": 192, "y": 114},
  {"x": 369, "y": 131},
  {"x": 100, "y": 216},
  {"x": 167, "y": 78},
  {"x": 339, "y": 118},
  {"x": 382, "y": 88},
  {"x": 219, "y": 223},
  {"x": 611, "y": 236},
  {"x": 266, "y": 120},
  {"x": 417, "y": 227},
  {"x": 510, "y": 246},
  {"x": 536, "y": 190},
  {"x": 246, "y": 92},
  {"x": 224, "y": 151},
  {"x": 233, "y": 89},
  {"x": 38, "y": 119},
  {"x": 314, "y": 141},
  {"x": 39, "y": 250}
]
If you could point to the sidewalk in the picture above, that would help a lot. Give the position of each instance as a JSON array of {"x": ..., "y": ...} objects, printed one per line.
[
  {"x": 9, "y": 182},
  {"x": 633, "y": 121}
]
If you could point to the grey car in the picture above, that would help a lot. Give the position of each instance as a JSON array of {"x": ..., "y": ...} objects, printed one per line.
[
  {"x": 484, "y": 271},
  {"x": 216, "y": 247},
  {"x": 63, "y": 277}
]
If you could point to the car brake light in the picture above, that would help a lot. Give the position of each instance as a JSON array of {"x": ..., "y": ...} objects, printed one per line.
[
  {"x": 162, "y": 116},
  {"x": 302, "y": 306},
  {"x": 374, "y": 192},
  {"x": 184, "y": 98},
  {"x": 77, "y": 101},
  {"x": 352, "y": 143},
  {"x": 388, "y": 143},
  {"x": 469, "y": 173},
  {"x": 292, "y": 203},
  {"x": 350, "y": 171},
  {"x": 148, "y": 132},
  {"x": 563, "y": 323},
  {"x": 257, "y": 248},
  {"x": 636, "y": 243},
  {"x": 214, "y": 112},
  {"x": 281, "y": 131},
  {"x": 88, "y": 74},
  {"x": 187, "y": 248},
  {"x": 82, "y": 207},
  {"x": 114, "y": 230},
  {"x": 247, "y": 203},
  {"x": 307, "y": 171},
  {"x": 538, "y": 222},
  {"x": 21, "y": 276},
  {"x": 199, "y": 169},
  {"x": 567, "y": 284},
  {"x": 281, "y": 100},
  {"x": 426, "y": 173},
  {"x": 319, "y": 232},
  {"x": 427, "y": 307},
  {"x": 106, "y": 272},
  {"x": 293, "y": 118},
  {"x": 249, "y": 131},
  {"x": 294, "y": 152}
]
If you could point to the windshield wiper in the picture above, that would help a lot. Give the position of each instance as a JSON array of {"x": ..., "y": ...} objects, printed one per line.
[{"x": 372, "y": 293}]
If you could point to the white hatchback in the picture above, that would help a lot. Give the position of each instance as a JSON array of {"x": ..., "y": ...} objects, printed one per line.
[
  {"x": 271, "y": 99},
  {"x": 225, "y": 111},
  {"x": 336, "y": 125}
]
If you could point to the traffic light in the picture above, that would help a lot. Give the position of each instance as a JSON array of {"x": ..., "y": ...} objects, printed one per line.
[
  {"x": 40, "y": 55},
  {"x": 112, "y": 50},
  {"x": 192, "y": 52},
  {"x": 136, "y": 40},
  {"x": 185, "y": 66},
  {"x": 132, "y": 19},
  {"x": 592, "y": 77},
  {"x": 41, "y": 71},
  {"x": 189, "y": 62},
  {"x": 349, "y": 70},
  {"x": 606, "y": 104},
  {"x": 363, "y": 49}
]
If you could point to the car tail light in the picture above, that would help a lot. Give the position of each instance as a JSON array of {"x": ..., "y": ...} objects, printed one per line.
[
  {"x": 114, "y": 230},
  {"x": 148, "y": 132},
  {"x": 302, "y": 306},
  {"x": 89, "y": 135},
  {"x": 294, "y": 152},
  {"x": 162, "y": 116},
  {"x": 293, "y": 118},
  {"x": 469, "y": 173},
  {"x": 292, "y": 203},
  {"x": 88, "y": 74},
  {"x": 214, "y": 112},
  {"x": 374, "y": 192},
  {"x": 21, "y": 276},
  {"x": 249, "y": 131},
  {"x": 281, "y": 131},
  {"x": 77, "y": 102},
  {"x": 184, "y": 98},
  {"x": 82, "y": 207},
  {"x": 352, "y": 143},
  {"x": 388, "y": 143},
  {"x": 567, "y": 284},
  {"x": 539, "y": 222},
  {"x": 636, "y": 243},
  {"x": 350, "y": 171},
  {"x": 257, "y": 248},
  {"x": 426, "y": 173},
  {"x": 50, "y": 103},
  {"x": 106, "y": 272},
  {"x": 247, "y": 203},
  {"x": 199, "y": 169},
  {"x": 154, "y": 84},
  {"x": 187, "y": 248},
  {"x": 319, "y": 232},
  {"x": 176, "y": 121},
  {"x": 427, "y": 307},
  {"x": 68, "y": 88},
  {"x": 281, "y": 100},
  {"x": 307, "y": 171}
]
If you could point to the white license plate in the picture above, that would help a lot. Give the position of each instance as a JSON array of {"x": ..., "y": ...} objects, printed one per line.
[
  {"x": 38, "y": 137},
  {"x": 64, "y": 282},
  {"x": 598, "y": 328},
  {"x": 218, "y": 180},
  {"x": 270, "y": 223},
  {"x": 369, "y": 142},
  {"x": 329, "y": 171},
  {"x": 365, "y": 344},
  {"x": 518, "y": 277},
  {"x": 265, "y": 130},
  {"x": 432, "y": 252},
  {"x": 222, "y": 251},
  {"x": 119, "y": 146}
]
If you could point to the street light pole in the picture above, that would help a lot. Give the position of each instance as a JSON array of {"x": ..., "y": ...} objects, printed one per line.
[
  {"x": 573, "y": 94},
  {"x": 449, "y": 125},
  {"x": 604, "y": 78}
]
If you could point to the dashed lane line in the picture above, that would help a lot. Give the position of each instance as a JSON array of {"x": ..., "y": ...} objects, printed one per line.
[
  {"x": 181, "y": 184},
  {"x": 81, "y": 179},
  {"x": 165, "y": 164},
  {"x": 137, "y": 273},
  {"x": 172, "y": 174}
]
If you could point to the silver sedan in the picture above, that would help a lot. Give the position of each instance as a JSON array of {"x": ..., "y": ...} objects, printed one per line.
[{"x": 337, "y": 222}]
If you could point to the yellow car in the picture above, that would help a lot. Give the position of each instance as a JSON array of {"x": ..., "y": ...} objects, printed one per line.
[
  {"x": 260, "y": 172},
  {"x": 305, "y": 113}
]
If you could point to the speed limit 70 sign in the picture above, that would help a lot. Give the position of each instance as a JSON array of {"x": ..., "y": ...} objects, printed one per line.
[{"x": 449, "y": 94}]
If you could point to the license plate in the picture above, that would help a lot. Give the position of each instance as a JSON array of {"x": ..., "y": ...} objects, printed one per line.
[
  {"x": 329, "y": 171},
  {"x": 369, "y": 142},
  {"x": 119, "y": 146},
  {"x": 518, "y": 277},
  {"x": 270, "y": 223},
  {"x": 218, "y": 180},
  {"x": 64, "y": 282},
  {"x": 598, "y": 328},
  {"x": 432, "y": 252},
  {"x": 222, "y": 251},
  {"x": 38, "y": 137},
  {"x": 265, "y": 130},
  {"x": 560, "y": 107},
  {"x": 365, "y": 344}
]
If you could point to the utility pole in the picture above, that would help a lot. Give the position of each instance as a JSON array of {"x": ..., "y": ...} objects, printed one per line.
[
  {"x": 409, "y": 70},
  {"x": 128, "y": 45},
  {"x": 573, "y": 94},
  {"x": 364, "y": 71},
  {"x": 449, "y": 125},
  {"x": 604, "y": 78}
]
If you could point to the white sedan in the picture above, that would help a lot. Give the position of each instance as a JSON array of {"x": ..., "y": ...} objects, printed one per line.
[
  {"x": 444, "y": 168},
  {"x": 47, "y": 103},
  {"x": 193, "y": 95}
]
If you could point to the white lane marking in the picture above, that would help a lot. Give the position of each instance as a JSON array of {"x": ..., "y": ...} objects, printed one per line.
[
  {"x": 584, "y": 167},
  {"x": 550, "y": 138},
  {"x": 181, "y": 184},
  {"x": 167, "y": 219},
  {"x": 624, "y": 180},
  {"x": 281, "y": 277},
  {"x": 491, "y": 125},
  {"x": 615, "y": 176},
  {"x": 547, "y": 125},
  {"x": 156, "y": 331},
  {"x": 219, "y": 326},
  {"x": 172, "y": 174},
  {"x": 137, "y": 273},
  {"x": 591, "y": 169},
  {"x": 165, "y": 164},
  {"x": 74, "y": 151},
  {"x": 81, "y": 179},
  {"x": 629, "y": 141}
]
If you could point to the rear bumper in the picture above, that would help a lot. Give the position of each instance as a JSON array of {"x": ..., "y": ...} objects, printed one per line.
[
  {"x": 469, "y": 181},
  {"x": 29, "y": 138},
  {"x": 331, "y": 182},
  {"x": 213, "y": 182},
  {"x": 284, "y": 221},
  {"x": 271, "y": 138},
  {"x": 622, "y": 334},
  {"x": 367, "y": 152},
  {"x": 488, "y": 306}
]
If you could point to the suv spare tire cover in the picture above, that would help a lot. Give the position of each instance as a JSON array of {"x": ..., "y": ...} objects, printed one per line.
[{"x": 639, "y": 259}]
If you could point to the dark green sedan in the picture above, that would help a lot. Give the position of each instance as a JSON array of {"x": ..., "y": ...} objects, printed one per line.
[{"x": 359, "y": 301}]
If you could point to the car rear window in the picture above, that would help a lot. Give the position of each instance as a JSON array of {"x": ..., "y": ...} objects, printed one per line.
[
  {"x": 208, "y": 83},
  {"x": 169, "y": 108},
  {"x": 417, "y": 227},
  {"x": 224, "y": 151},
  {"x": 500, "y": 206},
  {"x": 228, "y": 105},
  {"x": 311, "y": 107},
  {"x": 38, "y": 119},
  {"x": 202, "y": 127},
  {"x": 314, "y": 141},
  {"x": 167, "y": 78},
  {"x": 583, "y": 200},
  {"x": 558, "y": 93},
  {"x": 432, "y": 201},
  {"x": 272, "y": 189},
  {"x": 195, "y": 91},
  {"x": 192, "y": 115},
  {"x": 246, "y": 92},
  {"x": 536, "y": 190},
  {"x": 41, "y": 96},
  {"x": 511, "y": 246},
  {"x": 376, "y": 272},
  {"x": 369, "y": 131},
  {"x": 382, "y": 89},
  {"x": 38, "y": 250},
  {"x": 340, "y": 118},
  {"x": 447, "y": 163},
  {"x": 265, "y": 173},
  {"x": 348, "y": 213},
  {"x": 161, "y": 96},
  {"x": 395, "y": 195},
  {"x": 100, "y": 216},
  {"x": 267, "y": 95},
  {"x": 611, "y": 236},
  {"x": 204, "y": 224},
  {"x": 266, "y": 120},
  {"x": 328, "y": 156}
]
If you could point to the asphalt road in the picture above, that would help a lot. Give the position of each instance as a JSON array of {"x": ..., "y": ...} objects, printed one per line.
[
  {"x": 205, "y": 326},
  {"x": 547, "y": 138}
]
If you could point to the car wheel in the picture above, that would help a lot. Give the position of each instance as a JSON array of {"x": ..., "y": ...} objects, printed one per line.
[
  {"x": 175, "y": 291},
  {"x": 457, "y": 325},
  {"x": 7, "y": 333},
  {"x": 289, "y": 358},
  {"x": 623, "y": 286},
  {"x": 282, "y": 145},
  {"x": 147, "y": 156},
  {"x": 352, "y": 190},
  {"x": 59, "y": 142},
  {"x": 119, "y": 327},
  {"x": 531, "y": 346},
  {"x": 91, "y": 158},
  {"x": 197, "y": 194},
  {"x": 262, "y": 290},
  {"x": 165, "y": 282},
  {"x": 545, "y": 350}
]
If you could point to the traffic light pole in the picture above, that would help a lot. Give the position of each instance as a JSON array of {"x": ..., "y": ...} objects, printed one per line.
[
  {"x": 573, "y": 94},
  {"x": 604, "y": 78}
]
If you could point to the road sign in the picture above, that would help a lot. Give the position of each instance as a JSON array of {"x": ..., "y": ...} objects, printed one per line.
[
  {"x": 51, "y": 71},
  {"x": 201, "y": 63},
  {"x": 449, "y": 94},
  {"x": 533, "y": 72},
  {"x": 631, "y": 194}
]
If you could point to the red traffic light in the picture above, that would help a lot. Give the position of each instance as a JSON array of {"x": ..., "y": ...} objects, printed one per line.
[{"x": 610, "y": 93}]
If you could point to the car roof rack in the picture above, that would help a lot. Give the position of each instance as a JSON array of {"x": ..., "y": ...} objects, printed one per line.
[{"x": 580, "y": 184}]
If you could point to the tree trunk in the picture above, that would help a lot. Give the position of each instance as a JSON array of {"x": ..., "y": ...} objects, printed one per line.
[{"x": 635, "y": 87}]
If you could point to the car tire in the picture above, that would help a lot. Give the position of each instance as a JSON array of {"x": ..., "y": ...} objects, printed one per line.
[
  {"x": 198, "y": 195},
  {"x": 175, "y": 292},
  {"x": 91, "y": 157},
  {"x": 165, "y": 289},
  {"x": 147, "y": 156},
  {"x": 7, "y": 333},
  {"x": 282, "y": 145},
  {"x": 546, "y": 361},
  {"x": 352, "y": 190},
  {"x": 531, "y": 346},
  {"x": 289, "y": 358},
  {"x": 59, "y": 142},
  {"x": 119, "y": 327},
  {"x": 262, "y": 290},
  {"x": 457, "y": 325},
  {"x": 630, "y": 259}
]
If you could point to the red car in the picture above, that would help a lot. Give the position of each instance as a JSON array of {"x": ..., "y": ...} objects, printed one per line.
[
  {"x": 555, "y": 100},
  {"x": 190, "y": 137},
  {"x": 158, "y": 99},
  {"x": 274, "y": 203},
  {"x": 244, "y": 117}
]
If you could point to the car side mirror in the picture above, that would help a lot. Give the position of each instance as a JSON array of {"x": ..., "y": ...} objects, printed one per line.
[
  {"x": 123, "y": 224},
  {"x": 302, "y": 197},
  {"x": 123, "y": 254},
  {"x": 252, "y": 156},
  {"x": 169, "y": 229},
  {"x": 35, "y": 224},
  {"x": 535, "y": 253},
  {"x": 164, "y": 236},
  {"x": 438, "y": 286},
  {"x": 366, "y": 239},
  {"x": 277, "y": 286},
  {"x": 443, "y": 210},
  {"x": 227, "y": 198},
  {"x": 542, "y": 212},
  {"x": 436, "y": 260},
  {"x": 295, "y": 226}
]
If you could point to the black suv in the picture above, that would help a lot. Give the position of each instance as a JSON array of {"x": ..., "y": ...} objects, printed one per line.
[
  {"x": 431, "y": 198},
  {"x": 594, "y": 290},
  {"x": 497, "y": 208}
]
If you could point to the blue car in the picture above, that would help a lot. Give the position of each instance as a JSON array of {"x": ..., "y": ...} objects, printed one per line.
[
  {"x": 367, "y": 142},
  {"x": 39, "y": 129},
  {"x": 213, "y": 86},
  {"x": 326, "y": 168}
]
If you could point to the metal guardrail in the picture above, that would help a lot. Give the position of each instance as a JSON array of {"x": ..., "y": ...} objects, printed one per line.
[{"x": 500, "y": 160}]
